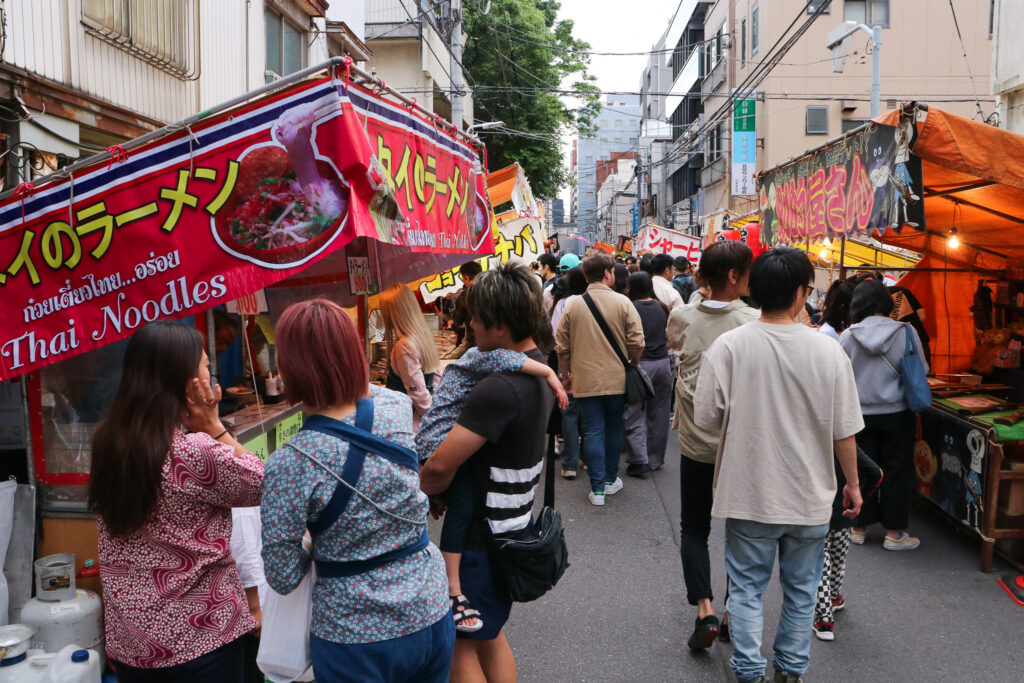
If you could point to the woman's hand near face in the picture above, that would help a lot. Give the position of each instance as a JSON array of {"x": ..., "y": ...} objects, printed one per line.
[{"x": 202, "y": 407}]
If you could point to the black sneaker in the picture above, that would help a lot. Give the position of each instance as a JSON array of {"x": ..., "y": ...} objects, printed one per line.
[
  {"x": 704, "y": 633},
  {"x": 723, "y": 633},
  {"x": 787, "y": 677},
  {"x": 637, "y": 469}
]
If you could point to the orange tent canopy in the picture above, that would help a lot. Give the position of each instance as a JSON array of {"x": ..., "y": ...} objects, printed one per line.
[{"x": 973, "y": 180}]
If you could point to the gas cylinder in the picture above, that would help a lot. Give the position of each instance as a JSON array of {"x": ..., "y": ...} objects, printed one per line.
[{"x": 62, "y": 622}]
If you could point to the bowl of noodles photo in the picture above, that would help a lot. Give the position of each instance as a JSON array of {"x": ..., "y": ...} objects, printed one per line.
[{"x": 287, "y": 204}]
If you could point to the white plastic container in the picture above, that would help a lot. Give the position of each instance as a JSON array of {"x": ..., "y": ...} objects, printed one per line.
[
  {"x": 29, "y": 669},
  {"x": 58, "y": 624},
  {"x": 74, "y": 665}
]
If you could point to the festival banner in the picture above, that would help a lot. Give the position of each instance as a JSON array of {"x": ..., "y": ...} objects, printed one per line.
[
  {"x": 521, "y": 239},
  {"x": 864, "y": 182},
  {"x": 225, "y": 207},
  {"x": 658, "y": 240},
  {"x": 748, "y": 234}
]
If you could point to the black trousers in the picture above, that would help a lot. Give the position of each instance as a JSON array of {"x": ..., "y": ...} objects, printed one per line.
[
  {"x": 695, "y": 481},
  {"x": 226, "y": 664},
  {"x": 889, "y": 441}
]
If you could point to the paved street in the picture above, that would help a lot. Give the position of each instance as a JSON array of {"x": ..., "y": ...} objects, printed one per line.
[{"x": 619, "y": 613}]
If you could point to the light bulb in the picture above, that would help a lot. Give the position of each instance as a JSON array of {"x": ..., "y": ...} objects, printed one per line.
[
  {"x": 953, "y": 241},
  {"x": 824, "y": 254}
]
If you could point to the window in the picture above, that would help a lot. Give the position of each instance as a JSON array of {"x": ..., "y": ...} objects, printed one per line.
[
  {"x": 589, "y": 194},
  {"x": 589, "y": 159},
  {"x": 755, "y": 23},
  {"x": 991, "y": 16},
  {"x": 160, "y": 33},
  {"x": 817, "y": 120},
  {"x": 851, "y": 124},
  {"x": 868, "y": 12},
  {"x": 715, "y": 142},
  {"x": 743, "y": 42},
  {"x": 618, "y": 123},
  {"x": 813, "y": 6},
  {"x": 284, "y": 46},
  {"x": 618, "y": 138}
]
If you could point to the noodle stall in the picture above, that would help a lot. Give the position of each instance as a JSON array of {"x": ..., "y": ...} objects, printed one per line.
[{"x": 315, "y": 185}]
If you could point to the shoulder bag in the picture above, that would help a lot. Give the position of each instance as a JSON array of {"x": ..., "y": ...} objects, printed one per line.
[
  {"x": 639, "y": 387},
  {"x": 530, "y": 562},
  {"x": 913, "y": 381}
]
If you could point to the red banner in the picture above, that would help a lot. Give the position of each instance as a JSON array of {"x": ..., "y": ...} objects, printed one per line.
[{"x": 225, "y": 207}]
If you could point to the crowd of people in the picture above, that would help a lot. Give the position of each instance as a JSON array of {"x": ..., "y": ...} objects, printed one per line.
[{"x": 621, "y": 352}]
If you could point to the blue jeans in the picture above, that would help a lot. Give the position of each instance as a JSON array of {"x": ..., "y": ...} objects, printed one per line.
[
  {"x": 602, "y": 436},
  {"x": 424, "y": 656},
  {"x": 749, "y": 558},
  {"x": 571, "y": 434}
]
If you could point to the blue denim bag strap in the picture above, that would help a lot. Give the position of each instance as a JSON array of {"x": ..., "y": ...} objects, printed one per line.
[
  {"x": 365, "y": 439},
  {"x": 334, "y": 570},
  {"x": 350, "y": 472}
]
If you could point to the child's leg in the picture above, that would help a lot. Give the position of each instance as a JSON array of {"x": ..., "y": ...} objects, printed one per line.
[
  {"x": 455, "y": 529},
  {"x": 839, "y": 549},
  {"x": 823, "y": 608}
]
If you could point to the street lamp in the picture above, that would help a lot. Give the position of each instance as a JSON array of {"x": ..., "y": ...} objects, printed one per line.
[
  {"x": 485, "y": 126},
  {"x": 837, "y": 38}
]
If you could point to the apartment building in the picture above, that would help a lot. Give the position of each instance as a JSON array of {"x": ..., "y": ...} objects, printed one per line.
[
  {"x": 802, "y": 103},
  {"x": 1008, "y": 62},
  {"x": 77, "y": 76},
  {"x": 616, "y": 195},
  {"x": 411, "y": 45},
  {"x": 618, "y": 130}
]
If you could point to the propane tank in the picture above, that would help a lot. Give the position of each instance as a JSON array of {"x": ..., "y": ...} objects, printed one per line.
[{"x": 60, "y": 613}]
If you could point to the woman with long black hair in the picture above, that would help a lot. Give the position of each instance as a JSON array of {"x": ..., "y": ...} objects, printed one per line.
[{"x": 165, "y": 475}]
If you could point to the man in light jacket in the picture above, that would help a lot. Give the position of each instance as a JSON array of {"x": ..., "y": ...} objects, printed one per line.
[{"x": 593, "y": 373}]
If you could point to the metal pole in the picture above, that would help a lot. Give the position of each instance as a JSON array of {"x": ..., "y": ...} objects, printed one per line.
[
  {"x": 876, "y": 70},
  {"x": 842, "y": 257},
  {"x": 455, "y": 41}
]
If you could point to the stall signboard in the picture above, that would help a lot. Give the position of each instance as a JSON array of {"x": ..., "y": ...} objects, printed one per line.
[
  {"x": 286, "y": 429},
  {"x": 520, "y": 239},
  {"x": 657, "y": 240},
  {"x": 863, "y": 182},
  {"x": 224, "y": 207},
  {"x": 950, "y": 464}
]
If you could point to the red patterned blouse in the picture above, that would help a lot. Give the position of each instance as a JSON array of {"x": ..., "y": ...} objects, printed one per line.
[{"x": 171, "y": 590}]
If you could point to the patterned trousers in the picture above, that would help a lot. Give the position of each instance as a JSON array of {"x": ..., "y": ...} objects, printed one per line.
[{"x": 837, "y": 544}]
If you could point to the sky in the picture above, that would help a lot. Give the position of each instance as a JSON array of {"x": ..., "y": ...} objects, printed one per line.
[{"x": 609, "y": 27}]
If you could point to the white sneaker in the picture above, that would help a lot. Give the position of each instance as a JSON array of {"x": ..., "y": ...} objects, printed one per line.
[
  {"x": 597, "y": 498},
  {"x": 613, "y": 488},
  {"x": 824, "y": 631}
]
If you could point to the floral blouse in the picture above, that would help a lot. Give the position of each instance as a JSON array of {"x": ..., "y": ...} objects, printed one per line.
[
  {"x": 387, "y": 602},
  {"x": 171, "y": 590}
]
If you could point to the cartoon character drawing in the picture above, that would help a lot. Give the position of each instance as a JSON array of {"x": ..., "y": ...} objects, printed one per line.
[
  {"x": 972, "y": 479},
  {"x": 950, "y": 477},
  {"x": 900, "y": 177},
  {"x": 880, "y": 174},
  {"x": 926, "y": 466}
]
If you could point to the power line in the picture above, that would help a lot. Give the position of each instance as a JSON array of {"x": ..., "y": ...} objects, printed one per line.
[{"x": 977, "y": 102}]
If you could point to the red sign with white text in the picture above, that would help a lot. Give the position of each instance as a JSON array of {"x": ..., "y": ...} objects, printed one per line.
[
  {"x": 658, "y": 240},
  {"x": 235, "y": 203}
]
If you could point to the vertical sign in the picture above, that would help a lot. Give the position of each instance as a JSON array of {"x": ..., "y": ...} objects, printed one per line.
[
  {"x": 744, "y": 148},
  {"x": 359, "y": 274}
]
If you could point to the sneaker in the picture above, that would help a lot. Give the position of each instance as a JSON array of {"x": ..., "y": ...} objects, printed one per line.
[
  {"x": 902, "y": 542},
  {"x": 787, "y": 677},
  {"x": 637, "y": 469},
  {"x": 762, "y": 679},
  {"x": 613, "y": 487},
  {"x": 559, "y": 445},
  {"x": 857, "y": 536},
  {"x": 597, "y": 498},
  {"x": 568, "y": 474},
  {"x": 838, "y": 603},
  {"x": 824, "y": 630},
  {"x": 704, "y": 633}
]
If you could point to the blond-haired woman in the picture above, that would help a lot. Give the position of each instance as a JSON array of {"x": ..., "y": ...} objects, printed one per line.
[{"x": 414, "y": 359}]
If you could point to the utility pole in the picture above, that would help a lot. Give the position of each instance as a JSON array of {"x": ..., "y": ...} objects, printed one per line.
[
  {"x": 838, "y": 42},
  {"x": 455, "y": 45}
]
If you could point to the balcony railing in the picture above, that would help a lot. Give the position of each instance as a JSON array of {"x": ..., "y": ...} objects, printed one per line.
[{"x": 714, "y": 80}]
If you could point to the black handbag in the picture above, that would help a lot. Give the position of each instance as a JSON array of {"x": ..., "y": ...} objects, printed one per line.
[
  {"x": 639, "y": 387},
  {"x": 530, "y": 563}
]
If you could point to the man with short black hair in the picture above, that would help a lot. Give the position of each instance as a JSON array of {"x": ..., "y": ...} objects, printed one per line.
[
  {"x": 683, "y": 280},
  {"x": 498, "y": 444},
  {"x": 460, "y": 317},
  {"x": 661, "y": 278},
  {"x": 783, "y": 398},
  {"x": 593, "y": 373},
  {"x": 548, "y": 268}
]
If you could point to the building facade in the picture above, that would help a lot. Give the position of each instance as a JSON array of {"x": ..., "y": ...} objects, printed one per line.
[
  {"x": 411, "y": 45},
  {"x": 77, "y": 76},
  {"x": 802, "y": 103},
  {"x": 616, "y": 195},
  {"x": 618, "y": 130},
  {"x": 1008, "y": 62}
]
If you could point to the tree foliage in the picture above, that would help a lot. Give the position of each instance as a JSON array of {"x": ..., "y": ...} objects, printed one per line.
[{"x": 518, "y": 56}]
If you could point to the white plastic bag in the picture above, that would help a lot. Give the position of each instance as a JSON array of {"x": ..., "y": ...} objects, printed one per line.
[
  {"x": 284, "y": 641},
  {"x": 7, "y": 490}
]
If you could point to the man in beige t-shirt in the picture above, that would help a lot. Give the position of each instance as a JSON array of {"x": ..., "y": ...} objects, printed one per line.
[{"x": 783, "y": 397}]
